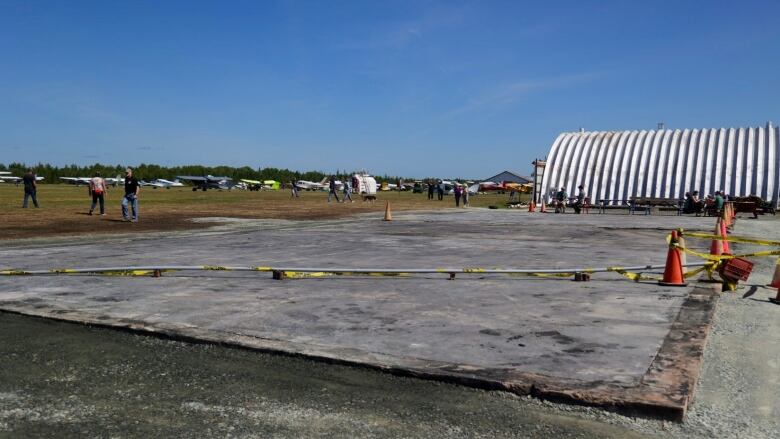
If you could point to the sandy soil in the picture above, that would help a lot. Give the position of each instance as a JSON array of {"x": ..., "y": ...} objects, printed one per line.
[{"x": 64, "y": 209}]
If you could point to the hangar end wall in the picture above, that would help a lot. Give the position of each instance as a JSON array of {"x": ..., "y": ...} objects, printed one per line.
[{"x": 620, "y": 165}]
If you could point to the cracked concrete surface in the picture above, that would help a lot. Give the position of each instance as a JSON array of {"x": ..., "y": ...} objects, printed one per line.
[{"x": 604, "y": 332}]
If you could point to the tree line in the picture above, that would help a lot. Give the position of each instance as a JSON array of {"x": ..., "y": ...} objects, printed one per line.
[{"x": 150, "y": 172}]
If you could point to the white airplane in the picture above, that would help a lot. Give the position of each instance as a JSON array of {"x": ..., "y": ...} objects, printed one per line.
[
  {"x": 76, "y": 180},
  {"x": 79, "y": 181},
  {"x": 7, "y": 177},
  {"x": 309, "y": 185},
  {"x": 167, "y": 184},
  {"x": 323, "y": 185}
]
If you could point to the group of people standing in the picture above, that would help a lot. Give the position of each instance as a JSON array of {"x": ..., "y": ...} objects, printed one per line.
[
  {"x": 460, "y": 191},
  {"x": 98, "y": 191}
]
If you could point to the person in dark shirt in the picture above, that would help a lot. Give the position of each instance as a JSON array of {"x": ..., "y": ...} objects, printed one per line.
[
  {"x": 132, "y": 190},
  {"x": 580, "y": 199},
  {"x": 30, "y": 188},
  {"x": 333, "y": 189}
]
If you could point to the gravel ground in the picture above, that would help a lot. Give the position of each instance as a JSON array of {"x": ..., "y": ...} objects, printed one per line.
[{"x": 67, "y": 380}]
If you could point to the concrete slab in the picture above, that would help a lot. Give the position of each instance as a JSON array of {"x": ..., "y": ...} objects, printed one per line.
[{"x": 610, "y": 342}]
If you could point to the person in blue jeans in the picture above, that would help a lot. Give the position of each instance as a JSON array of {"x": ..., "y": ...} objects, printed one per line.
[
  {"x": 30, "y": 188},
  {"x": 333, "y": 189},
  {"x": 132, "y": 189},
  {"x": 347, "y": 192}
]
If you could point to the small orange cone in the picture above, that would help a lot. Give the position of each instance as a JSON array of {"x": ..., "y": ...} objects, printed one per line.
[
  {"x": 388, "y": 215},
  {"x": 726, "y": 215},
  {"x": 543, "y": 210},
  {"x": 681, "y": 244},
  {"x": 716, "y": 248},
  {"x": 673, "y": 276},
  {"x": 724, "y": 234},
  {"x": 531, "y": 207},
  {"x": 732, "y": 216},
  {"x": 776, "y": 278}
]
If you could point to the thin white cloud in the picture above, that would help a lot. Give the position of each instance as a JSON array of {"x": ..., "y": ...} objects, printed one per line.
[
  {"x": 510, "y": 93},
  {"x": 72, "y": 101},
  {"x": 404, "y": 34}
]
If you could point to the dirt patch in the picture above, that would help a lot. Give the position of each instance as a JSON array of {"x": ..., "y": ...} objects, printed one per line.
[{"x": 64, "y": 209}]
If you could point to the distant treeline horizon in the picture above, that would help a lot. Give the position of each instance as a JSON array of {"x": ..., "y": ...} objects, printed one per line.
[{"x": 146, "y": 171}]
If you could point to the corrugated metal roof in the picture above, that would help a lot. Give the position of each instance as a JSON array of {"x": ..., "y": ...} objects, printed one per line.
[
  {"x": 619, "y": 165},
  {"x": 508, "y": 176}
]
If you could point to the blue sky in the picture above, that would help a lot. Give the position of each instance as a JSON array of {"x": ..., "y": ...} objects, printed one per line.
[{"x": 415, "y": 88}]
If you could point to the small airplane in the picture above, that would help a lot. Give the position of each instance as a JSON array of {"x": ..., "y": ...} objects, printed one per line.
[
  {"x": 323, "y": 185},
  {"x": 76, "y": 180},
  {"x": 84, "y": 181},
  {"x": 207, "y": 182},
  {"x": 385, "y": 186},
  {"x": 255, "y": 185},
  {"x": 6, "y": 176},
  {"x": 504, "y": 186},
  {"x": 163, "y": 183},
  {"x": 311, "y": 186}
]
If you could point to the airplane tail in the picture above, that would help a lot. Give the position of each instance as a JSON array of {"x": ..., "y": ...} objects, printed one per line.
[{"x": 324, "y": 181}]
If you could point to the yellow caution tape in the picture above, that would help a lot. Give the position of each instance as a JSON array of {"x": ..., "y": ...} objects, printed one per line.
[
  {"x": 636, "y": 277},
  {"x": 13, "y": 273},
  {"x": 303, "y": 275},
  {"x": 544, "y": 274},
  {"x": 734, "y": 239},
  {"x": 215, "y": 268}
]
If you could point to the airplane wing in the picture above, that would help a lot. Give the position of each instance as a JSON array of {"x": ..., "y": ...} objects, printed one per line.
[
  {"x": 76, "y": 180},
  {"x": 191, "y": 178},
  {"x": 250, "y": 181}
]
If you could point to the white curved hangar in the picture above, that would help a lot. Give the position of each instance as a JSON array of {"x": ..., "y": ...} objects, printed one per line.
[{"x": 619, "y": 165}]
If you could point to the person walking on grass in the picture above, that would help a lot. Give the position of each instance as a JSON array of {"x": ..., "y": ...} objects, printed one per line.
[
  {"x": 431, "y": 188},
  {"x": 293, "y": 190},
  {"x": 458, "y": 192},
  {"x": 30, "y": 188},
  {"x": 465, "y": 196},
  {"x": 132, "y": 189},
  {"x": 333, "y": 189},
  {"x": 347, "y": 192},
  {"x": 97, "y": 189}
]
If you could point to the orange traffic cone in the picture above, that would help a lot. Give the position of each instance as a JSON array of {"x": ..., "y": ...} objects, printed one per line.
[
  {"x": 724, "y": 234},
  {"x": 543, "y": 210},
  {"x": 726, "y": 215},
  {"x": 673, "y": 276},
  {"x": 732, "y": 216},
  {"x": 681, "y": 244},
  {"x": 716, "y": 248},
  {"x": 388, "y": 215},
  {"x": 776, "y": 278},
  {"x": 531, "y": 206}
]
